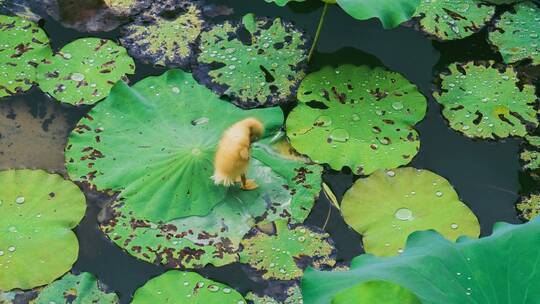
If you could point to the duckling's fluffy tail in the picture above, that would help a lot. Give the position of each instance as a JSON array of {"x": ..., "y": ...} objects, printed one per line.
[{"x": 222, "y": 179}]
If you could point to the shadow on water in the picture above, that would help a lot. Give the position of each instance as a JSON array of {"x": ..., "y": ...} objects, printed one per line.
[{"x": 33, "y": 131}]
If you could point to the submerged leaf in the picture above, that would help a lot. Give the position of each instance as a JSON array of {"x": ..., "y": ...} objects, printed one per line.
[
  {"x": 36, "y": 242},
  {"x": 500, "y": 268},
  {"x": 358, "y": 117},
  {"x": 388, "y": 206},
  {"x": 84, "y": 71},
  {"x": 186, "y": 288},
  {"x": 283, "y": 254},
  {"x": 453, "y": 19},
  {"x": 481, "y": 101},
  {"x": 517, "y": 34},
  {"x": 262, "y": 69},
  {"x": 23, "y": 46},
  {"x": 82, "y": 288},
  {"x": 165, "y": 35}
]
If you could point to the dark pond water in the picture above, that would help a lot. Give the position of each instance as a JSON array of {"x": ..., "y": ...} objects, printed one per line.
[{"x": 33, "y": 132}]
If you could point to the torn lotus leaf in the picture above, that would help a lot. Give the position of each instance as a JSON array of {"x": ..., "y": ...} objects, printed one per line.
[
  {"x": 84, "y": 71},
  {"x": 283, "y": 254},
  {"x": 263, "y": 69},
  {"x": 186, "y": 288},
  {"x": 388, "y": 206},
  {"x": 23, "y": 47},
  {"x": 357, "y": 117},
  {"x": 81, "y": 288},
  {"x": 517, "y": 34},
  {"x": 165, "y": 34},
  {"x": 482, "y": 101},
  {"x": 453, "y": 19},
  {"x": 36, "y": 242}
]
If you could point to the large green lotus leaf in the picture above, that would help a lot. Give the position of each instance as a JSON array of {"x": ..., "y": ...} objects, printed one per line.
[
  {"x": 187, "y": 288},
  {"x": 517, "y": 35},
  {"x": 391, "y": 13},
  {"x": 155, "y": 144},
  {"x": 365, "y": 122},
  {"x": 291, "y": 295},
  {"x": 76, "y": 289},
  {"x": 501, "y": 268},
  {"x": 165, "y": 35},
  {"x": 453, "y": 19},
  {"x": 36, "y": 242},
  {"x": 388, "y": 206},
  {"x": 265, "y": 71},
  {"x": 127, "y": 7},
  {"x": 529, "y": 206},
  {"x": 84, "y": 71},
  {"x": 484, "y": 102},
  {"x": 284, "y": 252},
  {"x": 376, "y": 292},
  {"x": 287, "y": 190},
  {"x": 23, "y": 46}
]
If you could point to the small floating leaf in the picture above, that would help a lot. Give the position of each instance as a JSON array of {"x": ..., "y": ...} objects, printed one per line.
[
  {"x": 496, "y": 269},
  {"x": 358, "y": 117},
  {"x": 23, "y": 46},
  {"x": 165, "y": 35},
  {"x": 84, "y": 71},
  {"x": 282, "y": 255},
  {"x": 529, "y": 206},
  {"x": 264, "y": 71},
  {"x": 36, "y": 242},
  {"x": 481, "y": 101},
  {"x": 453, "y": 19},
  {"x": 81, "y": 288},
  {"x": 186, "y": 288},
  {"x": 127, "y": 7},
  {"x": 517, "y": 34},
  {"x": 388, "y": 206}
]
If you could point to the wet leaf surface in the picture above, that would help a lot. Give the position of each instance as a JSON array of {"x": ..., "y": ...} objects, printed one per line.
[
  {"x": 453, "y": 19},
  {"x": 517, "y": 34},
  {"x": 23, "y": 46},
  {"x": 84, "y": 71},
  {"x": 186, "y": 288},
  {"x": 166, "y": 34},
  {"x": 36, "y": 242},
  {"x": 261, "y": 67},
  {"x": 486, "y": 270},
  {"x": 388, "y": 206},
  {"x": 284, "y": 253},
  {"x": 357, "y": 117},
  {"x": 376, "y": 292},
  {"x": 483, "y": 101},
  {"x": 82, "y": 288}
]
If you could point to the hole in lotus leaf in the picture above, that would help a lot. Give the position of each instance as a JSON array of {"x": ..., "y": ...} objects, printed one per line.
[
  {"x": 386, "y": 209},
  {"x": 366, "y": 122},
  {"x": 263, "y": 71},
  {"x": 516, "y": 34},
  {"x": 187, "y": 288},
  {"x": 81, "y": 288},
  {"x": 165, "y": 34},
  {"x": 84, "y": 71},
  {"x": 23, "y": 46},
  {"x": 284, "y": 255},
  {"x": 168, "y": 210},
  {"x": 452, "y": 19},
  {"x": 430, "y": 262},
  {"x": 469, "y": 89},
  {"x": 30, "y": 216}
]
